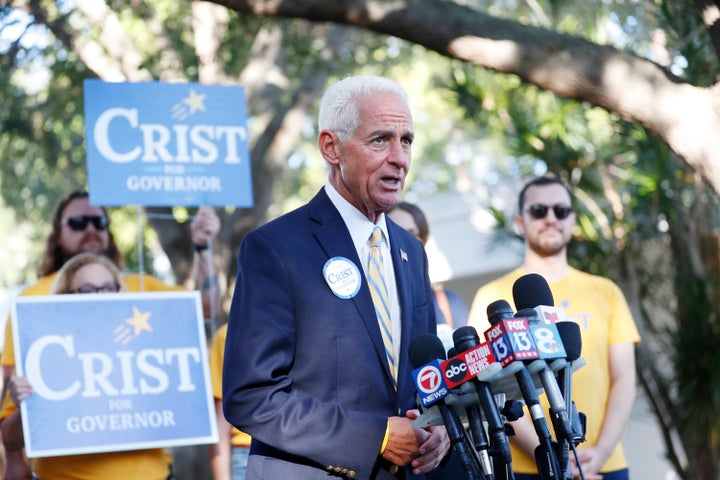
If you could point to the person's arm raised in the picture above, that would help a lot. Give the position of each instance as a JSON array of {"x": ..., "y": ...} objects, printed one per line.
[{"x": 204, "y": 228}]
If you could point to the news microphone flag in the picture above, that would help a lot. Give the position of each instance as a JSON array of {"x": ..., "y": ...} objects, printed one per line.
[
  {"x": 467, "y": 365},
  {"x": 510, "y": 340},
  {"x": 547, "y": 340},
  {"x": 550, "y": 315},
  {"x": 534, "y": 301},
  {"x": 430, "y": 383}
]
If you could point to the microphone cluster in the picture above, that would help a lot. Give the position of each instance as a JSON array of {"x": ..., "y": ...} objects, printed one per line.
[{"x": 477, "y": 383}]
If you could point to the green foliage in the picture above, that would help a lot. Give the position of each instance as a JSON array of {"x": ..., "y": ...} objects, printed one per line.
[
  {"x": 687, "y": 37},
  {"x": 42, "y": 151},
  {"x": 635, "y": 200},
  {"x": 477, "y": 130},
  {"x": 42, "y": 136}
]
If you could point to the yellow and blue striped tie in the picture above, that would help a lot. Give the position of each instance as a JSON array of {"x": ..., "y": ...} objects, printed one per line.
[{"x": 379, "y": 292}]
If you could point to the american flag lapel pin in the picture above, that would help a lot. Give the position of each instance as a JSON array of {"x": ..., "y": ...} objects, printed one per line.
[{"x": 403, "y": 255}]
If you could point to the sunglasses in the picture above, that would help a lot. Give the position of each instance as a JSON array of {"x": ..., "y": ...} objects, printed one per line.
[
  {"x": 110, "y": 287},
  {"x": 538, "y": 211},
  {"x": 80, "y": 222}
]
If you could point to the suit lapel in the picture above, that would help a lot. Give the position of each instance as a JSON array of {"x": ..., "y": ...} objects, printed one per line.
[
  {"x": 403, "y": 279},
  {"x": 329, "y": 223}
]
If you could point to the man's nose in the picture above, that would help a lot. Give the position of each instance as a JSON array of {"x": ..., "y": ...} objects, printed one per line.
[{"x": 399, "y": 155}]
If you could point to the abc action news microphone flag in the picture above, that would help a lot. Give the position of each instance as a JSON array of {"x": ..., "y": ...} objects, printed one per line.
[
  {"x": 162, "y": 144},
  {"x": 434, "y": 379}
]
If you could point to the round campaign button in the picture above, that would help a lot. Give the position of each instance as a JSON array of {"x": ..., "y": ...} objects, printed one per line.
[{"x": 342, "y": 276}]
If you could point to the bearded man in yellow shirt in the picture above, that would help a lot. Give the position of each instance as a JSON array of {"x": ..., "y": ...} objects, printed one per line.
[{"x": 604, "y": 389}]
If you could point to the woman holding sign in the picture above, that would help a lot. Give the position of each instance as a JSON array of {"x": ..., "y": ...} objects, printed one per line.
[{"x": 84, "y": 273}]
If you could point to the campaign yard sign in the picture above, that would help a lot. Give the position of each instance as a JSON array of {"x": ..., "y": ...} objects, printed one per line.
[
  {"x": 167, "y": 144},
  {"x": 111, "y": 372}
]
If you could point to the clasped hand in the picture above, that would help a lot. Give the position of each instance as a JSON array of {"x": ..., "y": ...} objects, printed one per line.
[{"x": 423, "y": 448}]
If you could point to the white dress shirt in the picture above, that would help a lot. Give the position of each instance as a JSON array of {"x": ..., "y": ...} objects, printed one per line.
[{"x": 360, "y": 229}]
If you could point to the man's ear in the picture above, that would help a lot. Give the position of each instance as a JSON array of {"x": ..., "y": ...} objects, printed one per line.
[
  {"x": 518, "y": 225},
  {"x": 329, "y": 147}
]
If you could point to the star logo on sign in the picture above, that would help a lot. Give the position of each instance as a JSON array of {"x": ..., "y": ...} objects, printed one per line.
[
  {"x": 195, "y": 101},
  {"x": 132, "y": 327},
  {"x": 139, "y": 321}
]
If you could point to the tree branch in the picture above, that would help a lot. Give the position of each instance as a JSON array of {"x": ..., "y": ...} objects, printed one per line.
[
  {"x": 682, "y": 115},
  {"x": 710, "y": 14}
]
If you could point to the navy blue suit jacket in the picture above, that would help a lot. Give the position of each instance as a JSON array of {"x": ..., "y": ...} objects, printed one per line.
[{"x": 305, "y": 371}]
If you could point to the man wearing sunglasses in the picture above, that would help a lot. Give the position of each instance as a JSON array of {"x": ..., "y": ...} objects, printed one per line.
[
  {"x": 78, "y": 226},
  {"x": 604, "y": 389}
]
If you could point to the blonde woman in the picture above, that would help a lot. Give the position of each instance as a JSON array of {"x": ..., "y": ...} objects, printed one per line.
[
  {"x": 88, "y": 273},
  {"x": 84, "y": 273}
]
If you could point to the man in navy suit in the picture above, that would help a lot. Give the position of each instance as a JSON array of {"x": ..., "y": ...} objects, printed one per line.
[{"x": 306, "y": 371}]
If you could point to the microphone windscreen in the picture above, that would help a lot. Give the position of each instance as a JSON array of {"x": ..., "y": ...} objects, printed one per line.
[
  {"x": 528, "y": 313},
  {"x": 571, "y": 339},
  {"x": 498, "y": 310},
  {"x": 465, "y": 338},
  {"x": 530, "y": 291},
  {"x": 424, "y": 349}
]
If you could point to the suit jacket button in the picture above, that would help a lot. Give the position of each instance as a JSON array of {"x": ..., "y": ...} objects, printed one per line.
[
  {"x": 393, "y": 469},
  {"x": 330, "y": 468},
  {"x": 352, "y": 474}
]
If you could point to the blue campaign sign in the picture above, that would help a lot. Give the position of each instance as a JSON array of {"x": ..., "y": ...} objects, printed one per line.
[
  {"x": 111, "y": 372},
  {"x": 167, "y": 144}
]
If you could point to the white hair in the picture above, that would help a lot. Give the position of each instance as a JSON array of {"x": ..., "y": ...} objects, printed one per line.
[{"x": 338, "y": 108}]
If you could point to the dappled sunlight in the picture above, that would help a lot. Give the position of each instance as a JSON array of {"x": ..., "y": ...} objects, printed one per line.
[{"x": 495, "y": 54}]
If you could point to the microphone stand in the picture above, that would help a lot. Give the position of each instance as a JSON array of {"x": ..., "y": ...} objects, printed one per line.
[
  {"x": 480, "y": 442},
  {"x": 570, "y": 336},
  {"x": 464, "y": 339},
  {"x": 458, "y": 441}
]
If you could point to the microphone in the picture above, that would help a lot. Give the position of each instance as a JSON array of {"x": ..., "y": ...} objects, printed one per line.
[
  {"x": 510, "y": 338},
  {"x": 427, "y": 360},
  {"x": 571, "y": 338},
  {"x": 532, "y": 291},
  {"x": 534, "y": 300},
  {"x": 533, "y": 297},
  {"x": 427, "y": 354},
  {"x": 527, "y": 290},
  {"x": 457, "y": 366},
  {"x": 466, "y": 340}
]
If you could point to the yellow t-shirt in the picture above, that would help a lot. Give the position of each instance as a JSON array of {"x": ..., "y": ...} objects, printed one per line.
[
  {"x": 136, "y": 464},
  {"x": 148, "y": 464},
  {"x": 217, "y": 355},
  {"x": 599, "y": 307}
]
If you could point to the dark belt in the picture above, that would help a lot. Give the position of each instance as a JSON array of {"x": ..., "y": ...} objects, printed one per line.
[
  {"x": 259, "y": 448},
  {"x": 263, "y": 449}
]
